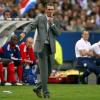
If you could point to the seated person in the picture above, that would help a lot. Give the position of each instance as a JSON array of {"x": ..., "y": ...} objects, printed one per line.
[
  {"x": 96, "y": 50},
  {"x": 27, "y": 54},
  {"x": 1, "y": 68},
  {"x": 84, "y": 56},
  {"x": 10, "y": 52}
]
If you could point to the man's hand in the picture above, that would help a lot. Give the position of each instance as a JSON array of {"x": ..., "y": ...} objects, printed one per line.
[
  {"x": 13, "y": 58},
  {"x": 37, "y": 61},
  {"x": 50, "y": 21},
  {"x": 28, "y": 61},
  {"x": 86, "y": 53},
  {"x": 22, "y": 35}
]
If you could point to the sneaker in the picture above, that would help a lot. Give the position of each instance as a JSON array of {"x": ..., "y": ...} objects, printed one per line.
[
  {"x": 19, "y": 84},
  {"x": 8, "y": 84}
]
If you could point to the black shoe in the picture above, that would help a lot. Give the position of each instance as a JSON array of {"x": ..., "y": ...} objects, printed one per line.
[
  {"x": 47, "y": 95},
  {"x": 83, "y": 80},
  {"x": 37, "y": 92},
  {"x": 98, "y": 79}
]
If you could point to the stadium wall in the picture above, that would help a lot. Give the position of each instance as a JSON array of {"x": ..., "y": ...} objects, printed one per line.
[{"x": 68, "y": 40}]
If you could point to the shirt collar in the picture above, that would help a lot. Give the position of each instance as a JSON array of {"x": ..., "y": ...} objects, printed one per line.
[{"x": 84, "y": 40}]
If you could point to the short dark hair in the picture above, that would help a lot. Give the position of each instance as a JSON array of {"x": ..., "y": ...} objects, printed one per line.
[
  {"x": 6, "y": 11},
  {"x": 14, "y": 38},
  {"x": 49, "y": 4},
  {"x": 44, "y": 2},
  {"x": 84, "y": 31}
]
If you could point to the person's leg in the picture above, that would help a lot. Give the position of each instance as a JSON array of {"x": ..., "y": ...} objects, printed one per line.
[
  {"x": 98, "y": 79},
  {"x": 20, "y": 73},
  {"x": 97, "y": 73},
  {"x": 38, "y": 74},
  {"x": 25, "y": 73},
  {"x": 88, "y": 65},
  {"x": 97, "y": 70},
  {"x": 11, "y": 73},
  {"x": 43, "y": 75},
  {"x": 43, "y": 63},
  {"x": 50, "y": 64},
  {"x": 1, "y": 73},
  {"x": 91, "y": 66},
  {"x": 84, "y": 77}
]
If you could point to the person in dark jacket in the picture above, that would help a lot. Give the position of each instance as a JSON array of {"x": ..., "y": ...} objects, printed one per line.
[{"x": 10, "y": 52}]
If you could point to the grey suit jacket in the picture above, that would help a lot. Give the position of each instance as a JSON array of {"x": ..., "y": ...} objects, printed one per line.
[{"x": 40, "y": 23}]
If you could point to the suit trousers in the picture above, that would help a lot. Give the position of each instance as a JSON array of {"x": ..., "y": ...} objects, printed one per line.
[{"x": 45, "y": 64}]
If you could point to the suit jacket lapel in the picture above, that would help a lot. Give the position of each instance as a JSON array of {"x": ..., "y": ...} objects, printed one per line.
[{"x": 45, "y": 22}]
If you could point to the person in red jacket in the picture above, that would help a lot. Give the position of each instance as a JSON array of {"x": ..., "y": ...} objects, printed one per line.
[
  {"x": 28, "y": 58},
  {"x": 27, "y": 52}
]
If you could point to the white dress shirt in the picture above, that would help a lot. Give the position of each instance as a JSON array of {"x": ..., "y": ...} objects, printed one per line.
[
  {"x": 81, "y": 45},
  {"x": 96, "y": 47}
]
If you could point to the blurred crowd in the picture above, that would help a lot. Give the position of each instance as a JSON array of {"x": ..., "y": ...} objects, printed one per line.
[{"x": 74, "y": 15}]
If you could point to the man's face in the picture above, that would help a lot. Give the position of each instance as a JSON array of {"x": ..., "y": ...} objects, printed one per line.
[
  {"x": 7, "y": 15},
  {"x": 14, "y": 39},
  {"x": 85, "y": 35},
  {"x": 50, "y": 11},
  {"x": 1, "y": 10},
  {"x": 29, "y": 43}
]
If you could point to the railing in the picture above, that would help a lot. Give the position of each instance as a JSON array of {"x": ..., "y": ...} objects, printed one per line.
[{"x": 9, "y": 25}]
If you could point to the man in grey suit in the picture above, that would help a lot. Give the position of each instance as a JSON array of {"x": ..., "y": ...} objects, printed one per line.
[{"x": 48, "y": 28}]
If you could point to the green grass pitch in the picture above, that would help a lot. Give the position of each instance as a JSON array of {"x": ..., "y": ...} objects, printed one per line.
[{"x": 58, "y": 92}]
